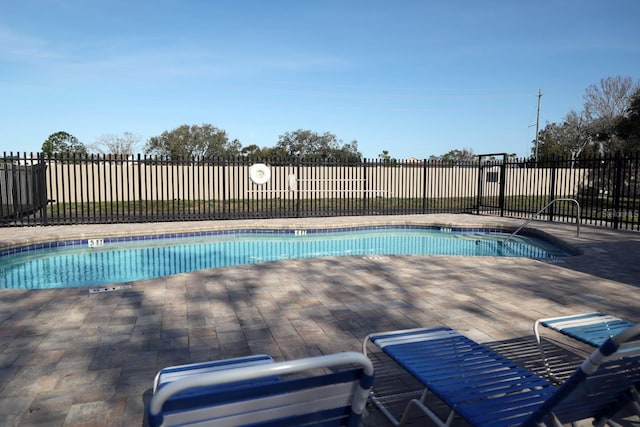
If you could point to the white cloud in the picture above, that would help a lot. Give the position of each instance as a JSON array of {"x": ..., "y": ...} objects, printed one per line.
[
  {"x": 151, "y": 61},
  {"x": 20, "y": 48}
]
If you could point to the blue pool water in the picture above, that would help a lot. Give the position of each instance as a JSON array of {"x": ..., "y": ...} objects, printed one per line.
[{"x": 74, "y": 264}]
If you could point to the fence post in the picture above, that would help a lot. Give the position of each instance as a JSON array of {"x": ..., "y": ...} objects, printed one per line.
[
  {"x": 424, "y": 186},
  {"x": 503, "y": 182},
  {"x": 552, "y": 190},
  {"x": 298, "y": 187},
  {"x": 42, "y": 185},
  {"x": 140, "y": 203},
  {"x": 365, "y": 198},
  {"x": 617, "y": 190},
  {"x": 15, "y": 188},
  {"x": 223, "y": 187},
  {"x": 479, "y": 198}
]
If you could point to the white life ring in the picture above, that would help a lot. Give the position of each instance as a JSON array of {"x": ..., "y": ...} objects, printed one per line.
[{"x": 259, "y": 173}]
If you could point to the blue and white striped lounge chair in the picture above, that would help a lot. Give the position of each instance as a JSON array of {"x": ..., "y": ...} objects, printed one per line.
[
  {"x": 330, "y": 390},
  {"x": 486, "y": 389},
  {"x": 589, "y": 328}
]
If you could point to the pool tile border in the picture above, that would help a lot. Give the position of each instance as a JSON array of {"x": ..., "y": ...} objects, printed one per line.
[{"x": 259, "y": 231}]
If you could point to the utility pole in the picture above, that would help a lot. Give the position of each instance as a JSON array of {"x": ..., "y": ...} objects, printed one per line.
[{"x": 538, "y": 123}]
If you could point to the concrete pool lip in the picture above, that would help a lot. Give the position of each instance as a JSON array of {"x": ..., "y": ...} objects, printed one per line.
[
  {"x": 68, "y": 357},
  {"x": 495, "y": 233},
  {"x": 105, "y": 260},
  {"x": 41, "y": 235}
]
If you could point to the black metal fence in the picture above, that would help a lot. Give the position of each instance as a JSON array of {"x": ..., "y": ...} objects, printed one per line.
[
  {"x": 41, "y": 190},
  {"x": 606, "y": 189}
]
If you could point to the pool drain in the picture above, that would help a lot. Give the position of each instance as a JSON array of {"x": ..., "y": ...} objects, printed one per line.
[{"x": 108, "y": 289}]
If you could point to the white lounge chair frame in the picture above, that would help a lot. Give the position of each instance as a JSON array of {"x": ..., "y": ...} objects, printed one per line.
[{"x": 311, "y": 396}]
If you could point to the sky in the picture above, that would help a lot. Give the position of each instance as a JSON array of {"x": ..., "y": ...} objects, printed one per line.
[{"x": 414, "y": 78}]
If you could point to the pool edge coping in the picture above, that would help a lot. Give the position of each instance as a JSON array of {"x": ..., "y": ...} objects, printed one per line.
[{"x": 39, "y": 241}]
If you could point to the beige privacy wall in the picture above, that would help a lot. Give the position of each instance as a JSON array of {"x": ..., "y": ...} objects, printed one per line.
[{"x": 129, "y": 180}]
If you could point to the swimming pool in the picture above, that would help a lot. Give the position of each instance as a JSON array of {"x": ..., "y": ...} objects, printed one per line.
[{"x": 107, "y": 261}]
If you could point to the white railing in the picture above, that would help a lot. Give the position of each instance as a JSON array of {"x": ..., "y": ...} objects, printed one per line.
[{"x": 542, "y": 210}]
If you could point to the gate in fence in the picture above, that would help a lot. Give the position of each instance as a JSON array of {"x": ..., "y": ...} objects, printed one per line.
[{"x": 491, "y": 183}]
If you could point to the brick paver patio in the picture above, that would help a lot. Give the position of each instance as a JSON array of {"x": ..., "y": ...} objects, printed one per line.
[{"x": 71, "y": 358}]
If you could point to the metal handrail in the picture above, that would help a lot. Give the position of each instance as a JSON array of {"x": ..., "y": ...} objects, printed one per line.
[{"x": 542, "y": 210}]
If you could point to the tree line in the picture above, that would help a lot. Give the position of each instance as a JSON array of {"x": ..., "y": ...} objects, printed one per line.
[
  {"x": 208, "y": 142},
  {"x": 608, "y": 123}
]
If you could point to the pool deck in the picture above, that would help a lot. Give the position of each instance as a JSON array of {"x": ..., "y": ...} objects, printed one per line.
[{"x": 71, "y": 358}]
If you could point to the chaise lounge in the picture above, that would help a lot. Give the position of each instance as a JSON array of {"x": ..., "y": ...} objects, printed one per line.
[
  {"x": 486, "y": 389},
  {"x": 582, "y": 332}
]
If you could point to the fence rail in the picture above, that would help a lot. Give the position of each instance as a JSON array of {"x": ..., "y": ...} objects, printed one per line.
[{"x": 52, "y": 190}]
